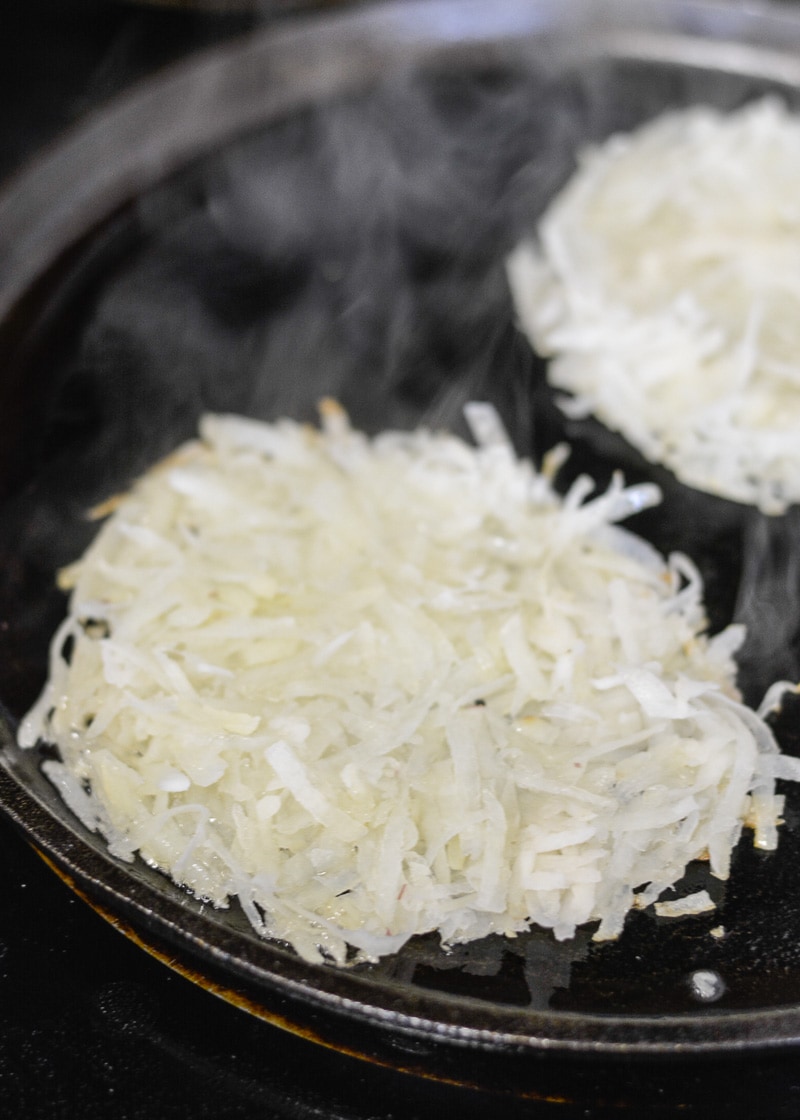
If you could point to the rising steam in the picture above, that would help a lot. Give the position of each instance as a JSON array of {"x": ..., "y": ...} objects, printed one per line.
[{"x": 356, "y": 250}]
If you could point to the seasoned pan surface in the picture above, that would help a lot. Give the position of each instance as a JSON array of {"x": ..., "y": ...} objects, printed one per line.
[{"x": 325, "y": 210}]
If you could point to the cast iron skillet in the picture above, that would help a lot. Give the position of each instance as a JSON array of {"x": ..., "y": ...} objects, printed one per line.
[{"x": 324, "y": 208}]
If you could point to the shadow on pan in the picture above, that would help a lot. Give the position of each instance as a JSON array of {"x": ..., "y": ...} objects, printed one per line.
[{"x": 326, "y": 211}]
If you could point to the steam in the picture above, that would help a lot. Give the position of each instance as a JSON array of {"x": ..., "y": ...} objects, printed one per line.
[
  {"x": 768, "y": 601},
  {"x": 356, "y": 250}
]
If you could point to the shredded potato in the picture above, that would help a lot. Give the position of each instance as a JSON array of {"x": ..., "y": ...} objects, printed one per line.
[
  {"x": 665, "y": 285},
  {"x": 375, "y": 688}
]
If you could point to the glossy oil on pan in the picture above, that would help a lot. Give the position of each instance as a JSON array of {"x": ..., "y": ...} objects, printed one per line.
[{"x": 324, "y": 208}]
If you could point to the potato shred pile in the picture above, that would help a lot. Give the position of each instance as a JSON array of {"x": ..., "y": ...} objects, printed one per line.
[
  {"x": 375, "y": 688},
  {"x": 665, "y": 284}
]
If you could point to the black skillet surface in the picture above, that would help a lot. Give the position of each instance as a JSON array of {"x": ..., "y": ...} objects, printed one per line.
[{"x": 354, "y": 245}]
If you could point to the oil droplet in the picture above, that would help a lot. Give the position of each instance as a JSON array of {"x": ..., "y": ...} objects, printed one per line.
[
  {"x": 127, "y": 1007},
  {"x": 706, "y": 985}
]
